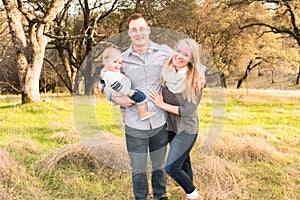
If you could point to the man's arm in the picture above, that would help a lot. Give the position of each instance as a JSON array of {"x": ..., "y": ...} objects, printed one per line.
[{"x": 123, "y": 101}]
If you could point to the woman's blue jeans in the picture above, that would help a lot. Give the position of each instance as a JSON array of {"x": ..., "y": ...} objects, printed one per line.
[
  {"x": 178, "y": 163},
  {"x": 138, "y": 143}
]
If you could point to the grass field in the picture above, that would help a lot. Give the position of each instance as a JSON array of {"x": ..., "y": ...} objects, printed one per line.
[{"x": 74, "y": 148}]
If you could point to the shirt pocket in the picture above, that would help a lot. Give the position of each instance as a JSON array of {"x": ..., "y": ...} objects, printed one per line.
[
  {"x": 153, "y": 70},
  {"x": 137, "y": 76}
]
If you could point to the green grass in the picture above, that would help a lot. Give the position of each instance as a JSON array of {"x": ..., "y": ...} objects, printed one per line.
[{"x": 256, "y": 156}]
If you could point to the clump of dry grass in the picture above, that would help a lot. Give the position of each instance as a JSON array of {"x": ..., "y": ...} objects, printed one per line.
[
  {"x": 71, "y": 153},
  {"x": 110, "y": 150},
  {"x": 246, "y": 147},
  {"x": 23, "y": 145},
  {"x": 15, "y": 182},
  {"x": 220, "y": 173},
  {"x": 62, "y": 137},
  {"x": 97, "y": 150},
  {"x": 222, "y": 179},
  {"x": 4, "y": 194},
  {"x": 264, "y": 133}
]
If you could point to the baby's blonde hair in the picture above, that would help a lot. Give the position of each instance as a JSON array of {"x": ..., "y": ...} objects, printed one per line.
[{"x": 110, "y": 54}]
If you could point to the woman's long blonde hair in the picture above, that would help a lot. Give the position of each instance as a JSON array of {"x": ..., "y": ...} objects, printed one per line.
[{"x": 193, "y": 79}]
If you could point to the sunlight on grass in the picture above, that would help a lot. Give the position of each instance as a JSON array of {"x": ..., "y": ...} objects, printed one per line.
[
  {"x": 109, "y": 117},
  {"x": 256, "y": 155}
]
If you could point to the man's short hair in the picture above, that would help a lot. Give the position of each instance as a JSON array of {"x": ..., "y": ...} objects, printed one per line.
[{"x": 135, "y": 16}]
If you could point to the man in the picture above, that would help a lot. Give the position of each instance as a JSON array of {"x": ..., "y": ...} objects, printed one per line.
[{"x": 142, "y": 64}]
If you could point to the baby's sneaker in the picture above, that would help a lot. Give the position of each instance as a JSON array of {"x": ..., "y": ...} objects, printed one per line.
[{"x": 146, "y": 115}]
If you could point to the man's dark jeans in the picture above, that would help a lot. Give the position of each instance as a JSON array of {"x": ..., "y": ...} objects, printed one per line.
[{"x": 138, "y": 143}]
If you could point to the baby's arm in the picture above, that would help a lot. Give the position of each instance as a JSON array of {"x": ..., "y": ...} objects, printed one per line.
[{"x": 115, "y": 85}]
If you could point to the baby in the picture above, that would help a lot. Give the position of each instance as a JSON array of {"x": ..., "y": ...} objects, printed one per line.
[{"x": 118, "y": 84}]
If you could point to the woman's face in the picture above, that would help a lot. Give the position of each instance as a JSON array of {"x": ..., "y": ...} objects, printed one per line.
[{"x": 182, "y": 55}]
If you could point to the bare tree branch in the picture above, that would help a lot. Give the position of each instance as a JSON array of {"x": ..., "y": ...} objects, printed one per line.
[
  {"x": 67, "y": 37},
  {"x": 58, "y": 72},
  {"x": 12, "y": 86},
  {"x": 293, "y": 20},
  {"x": 112, "y": 8},
  {"x": 273, "y": 29}
]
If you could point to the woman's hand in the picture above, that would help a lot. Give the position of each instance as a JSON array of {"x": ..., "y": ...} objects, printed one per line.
[
  {"x": 157, "y": 98},
  {"x": 201, "y": 83}
]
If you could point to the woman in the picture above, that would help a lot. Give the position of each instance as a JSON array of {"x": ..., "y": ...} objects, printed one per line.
[{"x": 182, "y": 78}]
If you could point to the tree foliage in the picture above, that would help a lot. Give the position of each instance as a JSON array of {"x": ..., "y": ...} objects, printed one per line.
[{"x": 237, "y": 34}]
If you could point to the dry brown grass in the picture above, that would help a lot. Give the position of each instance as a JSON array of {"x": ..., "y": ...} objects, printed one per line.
[
  {"x": 264, "y": 95},
  {"x": 110, "y": 150},
  {"x": 4, "y": 195},
  {"x": 15, "y": 182},
  {"x": 265, "y": 134},
  {"x": 98, "y": 150},
  {"x": 70, "y": 153},
  {"x": 245, "y": 148},
  {"x": 62, "y": 137},
  {"x": 215, "y": 178},
  {"x": 221, "y": 178},
  {"x": 22, "y": 145}
]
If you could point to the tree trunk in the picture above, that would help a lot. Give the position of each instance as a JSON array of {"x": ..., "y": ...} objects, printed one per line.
[
  {"x": 223, "y": 80},
  {"x": 249, "y": 68},
  {"x": 19, "y": 40},
  {"x": 272, "y": 77},
  {"x": 68, "y": 68},
  {"x": 245, "y": 75},
  {"x": 38, "y": 44},
  {"x": 29, "y": 55},
  {"x": 79, "y": 82},
  {"x": 89, "y": 89},
  {"x": 298, "y": 76},
  {"x": 88, "y": 75}
]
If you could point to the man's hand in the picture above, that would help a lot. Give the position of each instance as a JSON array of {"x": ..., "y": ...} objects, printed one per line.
[{"x": 123, "y": 101}]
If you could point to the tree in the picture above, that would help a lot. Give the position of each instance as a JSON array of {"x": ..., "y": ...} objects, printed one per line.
[
  {"x": 233, "y": 47},
  {"x": 283, "y": 18},
  {"x": 74, "y": 36},
  {"x": 250, "y": 66},
  {"x": 9, "y": 82},
  {"x": 27, "y": 26}
]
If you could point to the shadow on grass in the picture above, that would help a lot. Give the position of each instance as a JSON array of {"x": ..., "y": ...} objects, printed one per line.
[{"x": 10, "y": 106}]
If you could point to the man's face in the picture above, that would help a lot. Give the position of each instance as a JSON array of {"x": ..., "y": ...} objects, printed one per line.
[{"x": 139, "y": 32}]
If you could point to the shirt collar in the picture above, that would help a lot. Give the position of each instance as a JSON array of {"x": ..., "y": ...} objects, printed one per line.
[{"x": 152, "y": 47}]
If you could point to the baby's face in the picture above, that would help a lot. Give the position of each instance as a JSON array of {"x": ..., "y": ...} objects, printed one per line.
[{"x": 114, "y": 65}]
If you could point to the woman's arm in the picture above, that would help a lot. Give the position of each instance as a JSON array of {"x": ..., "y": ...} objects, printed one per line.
[
  {"x": 184, "y": 110},
  {"x": 158, "y": 100},
  {"x": 187, "y": 108}
]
